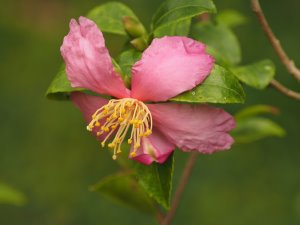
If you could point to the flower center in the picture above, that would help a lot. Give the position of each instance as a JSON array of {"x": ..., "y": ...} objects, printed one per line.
[{"x": 116, "y": 118}]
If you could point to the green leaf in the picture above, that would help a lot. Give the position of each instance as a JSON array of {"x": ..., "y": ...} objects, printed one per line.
[
  {"x": 257, "y": 75},
  {"x": 123, "y": 188},
  {"x": 255, "y": 110},
  {"x": 109, "y": 17},
  {"x": 181, "y": 28},
  {"x": 255, "y": 128},
  {"x": 126, "y": 61},
  {"x": 231, "y": 18},
  {"x": 175, "y": 11},
  {"x": 220, "y": 86},
  {"x": 156, "y": 179},
  {"x": 9, "y": 195},
  {"x": 60, "y": 87},
  {"x": 221, "y": 41}
]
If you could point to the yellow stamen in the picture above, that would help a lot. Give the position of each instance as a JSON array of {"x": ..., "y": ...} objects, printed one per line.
[
  {"x": 111, "y": 145},
  {"x": 133, "y": 154},
  {"x": 120, "y": 115}
]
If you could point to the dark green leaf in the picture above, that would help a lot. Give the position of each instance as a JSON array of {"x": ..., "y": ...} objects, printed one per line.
[
  {"x": 126, "y": 61},
  {"x": 9, "y": 195},
  {"x": 257, "y": 75},
  {"x": 124, "y": 189},
  {"x": 255, "y": 110},
  {"x": 181, "y": 28},
  {"x": 60, "y": 87},
  {"x": 221, "y": 41},
  {"x": 255, "y": 128},
  {"x": 231, "y": 18},
  {"x": 109, "y": 17},
  {"x": 219, "y": 87},
  {"x": 156, "y": 179},
  {"x": 174, "y": 11}
]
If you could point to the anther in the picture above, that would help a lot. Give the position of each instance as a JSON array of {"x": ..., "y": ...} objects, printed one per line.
[
  {"x": 133, "y": 154},
  {"x": 111, "y": 145},
  {"x": 147, "y": 133},
  {"x": 89, "y": 128}
]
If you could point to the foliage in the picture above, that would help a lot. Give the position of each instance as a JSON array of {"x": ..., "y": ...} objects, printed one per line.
[{"x": 9, "y": 195}]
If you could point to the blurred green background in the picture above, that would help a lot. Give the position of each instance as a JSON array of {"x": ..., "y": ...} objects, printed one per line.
[{"x": 47, "y": 154}]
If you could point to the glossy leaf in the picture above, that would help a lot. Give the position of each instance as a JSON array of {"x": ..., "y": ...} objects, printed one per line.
[
  {"x": 181, "y": 28},
  {"x": 231, "y": 18},
  {"x": 257, "y": 75},
  {"x": 220, "y": 86},
  {"x": 156, "y": 180},
  {"x": 255, "y": 110},
  {"x": 9, "y": 195},
  {"x": 126, "y": 61},
  {"x": 60, "y": 87},
  {"x": 221, "y": 41},
  {"x": 175, "y": 11},
  {"x": 123, "y": 188},
  {"x": 109, "y": 17}
]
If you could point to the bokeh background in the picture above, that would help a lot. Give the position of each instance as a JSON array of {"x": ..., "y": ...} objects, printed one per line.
[{"x": 47, "y": 154}]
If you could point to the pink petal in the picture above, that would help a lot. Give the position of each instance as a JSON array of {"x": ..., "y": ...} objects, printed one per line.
[
  {"x": 194, "y": 127},
  {"x": 154, "y": 148},
  {"x": 88, "y": 105},
  {"x": 88, "y": 64},
  {"x": 170, "y": 66}
]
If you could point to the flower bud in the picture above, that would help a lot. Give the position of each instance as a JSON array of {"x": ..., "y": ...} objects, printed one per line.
[
  {"x": 139, "y": 43},
  {"x": 133, "y": 27}
]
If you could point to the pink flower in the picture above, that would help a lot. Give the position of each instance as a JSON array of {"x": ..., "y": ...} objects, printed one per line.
[{"x": 168, "y": 67}]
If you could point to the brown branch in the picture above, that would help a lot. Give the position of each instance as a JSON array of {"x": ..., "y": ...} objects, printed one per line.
[
  {"x": 284, "y": 90},
  {"x": 287, "y": 62},
  {"x": 159, "y": 217},
  {"x": 182, "y": 183}
]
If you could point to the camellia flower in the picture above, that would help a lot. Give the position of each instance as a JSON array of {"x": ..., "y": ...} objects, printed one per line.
[{"x": 168, "y": 67}]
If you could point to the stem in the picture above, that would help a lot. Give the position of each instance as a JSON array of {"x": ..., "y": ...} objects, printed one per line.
[
  {"x": 284, "y": 90},
  {"x": 182, "y": 183},
  {"x": 159, "y": 217},
  {"x": 287, "y": 62}
]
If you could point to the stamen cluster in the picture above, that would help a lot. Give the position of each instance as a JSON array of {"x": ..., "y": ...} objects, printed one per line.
[{"x": 116, "y": 118}]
